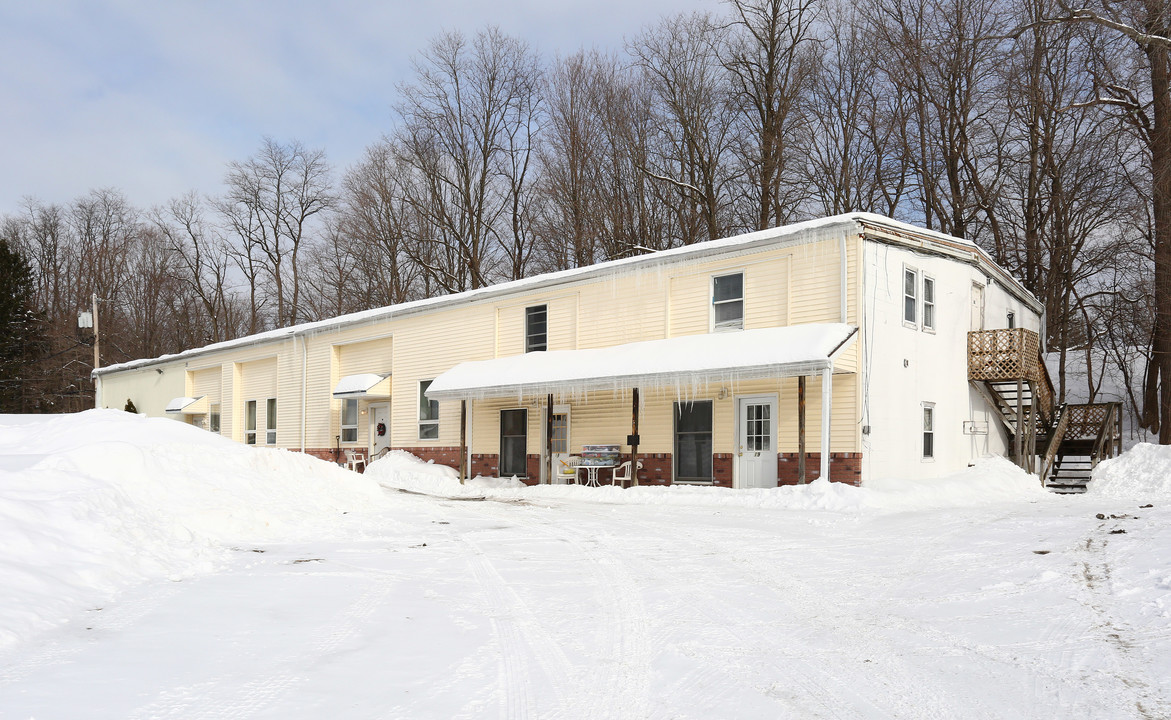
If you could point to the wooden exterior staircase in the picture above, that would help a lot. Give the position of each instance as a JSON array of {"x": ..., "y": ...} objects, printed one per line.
[{"x": 1061, "y": 443}]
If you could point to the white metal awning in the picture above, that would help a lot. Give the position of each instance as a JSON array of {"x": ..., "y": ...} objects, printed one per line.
[
  {"x": 684, "y": 363},
  {"x": 363, "y": 385},
  {"x": 188, "y": 406}
]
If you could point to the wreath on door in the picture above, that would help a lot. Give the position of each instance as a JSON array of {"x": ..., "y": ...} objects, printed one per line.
[{"x": 381, "y": 429}]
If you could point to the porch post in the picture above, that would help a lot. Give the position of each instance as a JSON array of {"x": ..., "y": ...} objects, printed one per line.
[
  {"x": 463, "y": 441},
  {"x": 827, "y": 391},
  {"x": 801, "y": 429},
  {"x": 549, "y": 441},
  {"x": 634, "y": 441}
]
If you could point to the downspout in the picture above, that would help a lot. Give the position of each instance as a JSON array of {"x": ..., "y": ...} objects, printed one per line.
[
  {"x": 827, "y": 392},
  {"x": 304, "y": 384},
  {"x": 843, "y": 278}
]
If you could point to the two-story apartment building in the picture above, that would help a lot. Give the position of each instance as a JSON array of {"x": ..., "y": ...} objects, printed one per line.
[{"x": 721, "y": 361}]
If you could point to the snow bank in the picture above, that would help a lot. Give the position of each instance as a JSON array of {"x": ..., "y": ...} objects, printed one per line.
[
  {"x": 991, "y": 481},
  {"x": 1141, "y": 473},
  {"x": 93, "y": 502}
]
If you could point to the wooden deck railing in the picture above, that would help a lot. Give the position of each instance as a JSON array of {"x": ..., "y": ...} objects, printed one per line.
[{"x": 1014, "y": 354}]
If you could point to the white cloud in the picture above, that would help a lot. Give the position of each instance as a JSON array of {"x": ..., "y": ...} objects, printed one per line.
[{"x": 154, "y": 98}]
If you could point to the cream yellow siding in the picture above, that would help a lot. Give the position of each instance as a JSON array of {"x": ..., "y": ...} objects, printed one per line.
[{"x": 206, "y": 383}]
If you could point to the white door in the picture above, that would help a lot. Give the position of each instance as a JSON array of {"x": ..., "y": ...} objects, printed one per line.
[
  {"x": 977, "y": 306},
  {"x": 756, "y": 441},
  {"x": 562, "y": 472},
  {"x": 379, "y": 429}
]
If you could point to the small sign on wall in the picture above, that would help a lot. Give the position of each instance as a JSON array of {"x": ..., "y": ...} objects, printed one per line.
[{"x": 975, "y": 427}]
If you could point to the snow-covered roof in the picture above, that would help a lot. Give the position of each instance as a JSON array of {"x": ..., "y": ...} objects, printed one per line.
[
  {"x": 796, "y": 233},
  {"x": 685, "y": 363},
  {"x": 365, "y": 384},
  {"x": 188, "y": 405}
]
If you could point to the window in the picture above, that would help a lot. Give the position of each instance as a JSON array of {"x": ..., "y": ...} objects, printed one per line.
[
  {"x": 928, "y": 303},
  {"x": 1011, "y": 320},
  {"x": 213, "y": 418},
  {"x": 910, "y": 280},
  {"x": 928, "y": 432},
  {"x": 350, "y": 420},
  {"x": 428, "y": 414},
  {"x": 270, "y": 422},
  {"x": 513, "y": 443},
  {"x": 693, "y": 441},
  {"x": 728, "y": 302},
  {"x": 250, "y": 422},
  {"x": 536, "y": 328}
]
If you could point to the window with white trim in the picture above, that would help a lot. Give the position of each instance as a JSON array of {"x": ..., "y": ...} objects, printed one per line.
[
  {"x": 910, "y": 300},
  {"x": 928, "y": 431},
  {"x": 536, "y": 328},
  {"x": 428, "y": 413},
  {"x": 728, "y": 302},
  {"x": 270, "y": 422},
  {"x": 350, "y": 420},
  {"x": 250, "y": 422},
  {"x": 213, "y": 418},
  {"x": 928, "y": 303}
]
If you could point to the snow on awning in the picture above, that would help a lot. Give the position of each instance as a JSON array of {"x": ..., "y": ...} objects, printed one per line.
[
  {"x": 364, "y": 385},
  {"x": 188, "y": 406},
  {"x": 687, "y": 362}
]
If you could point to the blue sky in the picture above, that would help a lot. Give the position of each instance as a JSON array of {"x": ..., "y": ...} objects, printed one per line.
[{"x": 153, "y": 98}]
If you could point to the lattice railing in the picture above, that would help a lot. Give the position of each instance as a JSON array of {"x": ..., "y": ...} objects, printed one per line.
[{"x": 1013, "y": 354}]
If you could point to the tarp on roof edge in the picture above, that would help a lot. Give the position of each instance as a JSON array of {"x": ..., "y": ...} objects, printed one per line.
[
  {"x": 363, "y": 385},
  {"x": 188, "y": 406},
  {"x": 683, "y": 363}
]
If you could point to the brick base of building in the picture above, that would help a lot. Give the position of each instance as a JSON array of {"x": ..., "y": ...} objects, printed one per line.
[{"x": 657, "y": 468}]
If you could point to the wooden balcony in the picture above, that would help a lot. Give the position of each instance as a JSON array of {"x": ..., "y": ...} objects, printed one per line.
[{"x": 999, "y": 356}]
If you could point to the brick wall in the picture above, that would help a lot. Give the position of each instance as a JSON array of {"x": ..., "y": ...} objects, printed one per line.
[
  {"x": 843, "y": 468},
  {"x": 657, "y": 468}
]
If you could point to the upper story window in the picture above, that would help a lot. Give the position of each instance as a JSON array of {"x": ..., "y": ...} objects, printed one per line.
[
  {"x": 910, "y": 300},
  {"x": 428, "y": 413},
  {"x": 728, "y": 302},
  {"x": 928, "y": 303},
  {"x": 536, "y": 328}
]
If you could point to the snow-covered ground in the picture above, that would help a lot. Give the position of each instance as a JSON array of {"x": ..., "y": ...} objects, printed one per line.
[{"x": 151, "y": 570}]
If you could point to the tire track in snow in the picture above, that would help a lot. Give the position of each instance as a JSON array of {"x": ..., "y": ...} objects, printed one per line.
[
  {"x": 66, "y": 642},
  {"x": 225, "y": 697}
]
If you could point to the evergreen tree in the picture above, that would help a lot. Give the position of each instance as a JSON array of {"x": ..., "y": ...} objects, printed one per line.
[{"x": 19, "y": 337}]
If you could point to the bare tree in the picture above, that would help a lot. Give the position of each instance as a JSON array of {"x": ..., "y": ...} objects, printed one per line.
[
  {"x": 466, "y": 139},
  {"x": 770, "y": 57},
  {"x": 693, "y": 153},
  {"x": 271, "y": 202},
  {"x": 203, "y": 263}
]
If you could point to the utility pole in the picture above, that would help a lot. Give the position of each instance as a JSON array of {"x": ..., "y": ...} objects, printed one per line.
[{"x": 97, "y": 341}]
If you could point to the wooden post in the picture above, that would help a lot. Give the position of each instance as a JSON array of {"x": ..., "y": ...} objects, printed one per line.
[
  {"x": 549, "y": 441},
  {"x": 634, "y": 445},
  {"x": 1018, "y": 441},
  {"x": 463, "y": 441},
  {"x": 97, "y": 338},
  {"x": 801, "y": 430}
]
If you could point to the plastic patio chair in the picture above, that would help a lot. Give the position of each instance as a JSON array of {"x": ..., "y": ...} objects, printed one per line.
[
  {"x": 353, "y": 460},
  {"x": 622, "y": 473}
]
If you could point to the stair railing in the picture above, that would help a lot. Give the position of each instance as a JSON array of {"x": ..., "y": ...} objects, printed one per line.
[{"x": 1055, "y": 442}]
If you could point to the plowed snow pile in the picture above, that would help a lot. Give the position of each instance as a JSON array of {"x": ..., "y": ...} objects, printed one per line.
[
  {"x": 992, "y": 480},
  {"x": 93, "y": 502},
  {"x": 1141, "y": 473}
]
